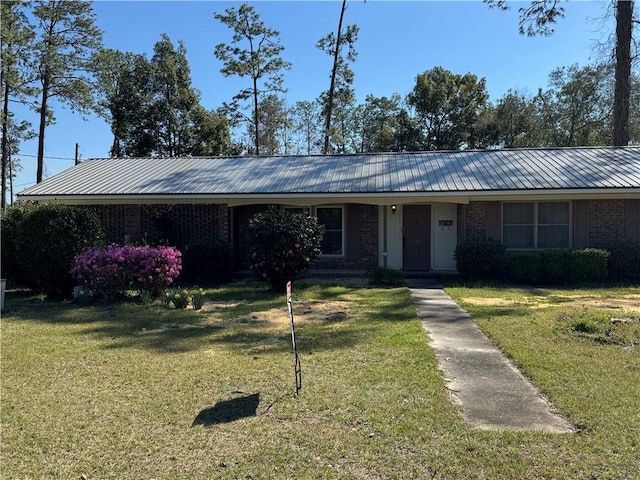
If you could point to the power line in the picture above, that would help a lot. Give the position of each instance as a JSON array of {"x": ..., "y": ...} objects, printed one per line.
[{"x": 46, "y": 157}]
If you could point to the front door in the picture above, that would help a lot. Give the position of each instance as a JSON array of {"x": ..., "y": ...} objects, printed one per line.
[{"x": 416, "y": 237}]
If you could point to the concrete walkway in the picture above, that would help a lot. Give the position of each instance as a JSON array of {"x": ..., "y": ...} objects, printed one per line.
[{"x": 492, "y": 393}]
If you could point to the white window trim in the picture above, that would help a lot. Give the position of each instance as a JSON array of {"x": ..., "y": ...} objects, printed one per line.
[
  {"x": 342, "y": 239},
  {"x": 536, "y": 225}
]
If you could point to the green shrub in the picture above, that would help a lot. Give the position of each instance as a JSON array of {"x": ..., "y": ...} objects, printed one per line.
[
  {"x": 624, "y": 262},
  {"x": 589, "y": 265},
  {"x": 556, "y": 266},
  {"x": 386, "y": 277},
  {"x": 481, "y": 259},
  {"x": 547, "y": 267},
  {"x": 206, "y": 262},
  {"x": 525, "y": 267},
  {"x": 11, "y": 219},
  {"x": 283, "y": 245},
  {"x": 48, "y": 237}
]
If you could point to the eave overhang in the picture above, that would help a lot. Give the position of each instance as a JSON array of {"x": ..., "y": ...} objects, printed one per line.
[{"x": 302, "y": 199}]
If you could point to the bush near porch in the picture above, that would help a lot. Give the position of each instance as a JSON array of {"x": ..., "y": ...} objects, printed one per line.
[{"x": 479, "y": 259}]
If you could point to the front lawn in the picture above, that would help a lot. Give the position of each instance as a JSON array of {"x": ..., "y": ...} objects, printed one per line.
[{"x": 134, "y": 391}]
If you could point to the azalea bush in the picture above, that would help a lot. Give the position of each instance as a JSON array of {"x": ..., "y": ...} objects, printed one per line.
[
  {"x": 283, "y": 245},
  {"x": 109, "y": 272}
]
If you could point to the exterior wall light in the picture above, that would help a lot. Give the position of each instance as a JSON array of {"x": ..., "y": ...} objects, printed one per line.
[{"x": 393, "y": 209}]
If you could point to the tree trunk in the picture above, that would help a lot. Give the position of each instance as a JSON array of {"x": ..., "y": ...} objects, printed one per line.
[
  {"x": 5, "y": 143},
  {"x": 43, "y": 123},
  {"x": 10, "y": 166},
  {"x": 256, "y": 118},
  {"x": 624, "y": 24},
  {"x": 116, "y": 151},
  {"x": 336, "y": 55}
]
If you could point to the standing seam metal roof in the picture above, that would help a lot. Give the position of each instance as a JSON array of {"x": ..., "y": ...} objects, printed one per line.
[{"x": 416, "y": 172}]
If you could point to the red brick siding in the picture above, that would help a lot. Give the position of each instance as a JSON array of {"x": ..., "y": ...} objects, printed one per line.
[
  {"x": 606, "y": 221},
  {"x": 472, "y": 220},
  {"x": 178, "y": 225}
]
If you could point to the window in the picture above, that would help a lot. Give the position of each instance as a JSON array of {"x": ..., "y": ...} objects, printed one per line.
[
  {"x": 535, "y": 225},
  {"x": 517, "y": 225},
  {"x": 331, "y": 218}
]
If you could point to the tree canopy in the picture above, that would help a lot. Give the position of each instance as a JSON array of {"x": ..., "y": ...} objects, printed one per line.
[
  {"x": 447, "y": 107},
  {"x": 539, "y": 17},
  {"x": 254, "y": 52},
  {"x": 153, "y": 108},
  {"x": 66, "y": 39}
]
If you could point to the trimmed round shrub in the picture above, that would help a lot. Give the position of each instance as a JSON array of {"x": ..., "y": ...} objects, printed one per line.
[
  {"x": 481, "y": 259},
  {"x": 547, "y": 267},
  {"x": 48, "y": 238},
  {"x": 556, "y": 265},
  {"x": 526, "y": 267},
  {"x": 108, "y": 273},
  {"x": 283, "y": 245},
  {"x": 589, "y": 265},
  {"x": 624, "y": 262}
]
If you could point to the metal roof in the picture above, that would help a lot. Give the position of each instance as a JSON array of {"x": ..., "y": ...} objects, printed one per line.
[{"x": 433, "y": 172}]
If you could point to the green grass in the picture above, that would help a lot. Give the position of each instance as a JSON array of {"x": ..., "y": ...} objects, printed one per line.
[{"x": 114, "y": 392}]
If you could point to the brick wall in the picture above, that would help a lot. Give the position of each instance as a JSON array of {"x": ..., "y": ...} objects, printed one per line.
[
  {"x": 369, "y": 247},
  {"x": 178, "y": 225},
  {"x": 606, "y": 221},
  {"x": 472, "y": 220}
]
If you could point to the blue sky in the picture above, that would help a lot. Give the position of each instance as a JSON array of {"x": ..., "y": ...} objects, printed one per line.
[{"x": 397, "y": 41}]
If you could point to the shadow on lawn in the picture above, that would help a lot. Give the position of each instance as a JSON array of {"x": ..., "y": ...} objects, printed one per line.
[
  {"x": 172, "y": 331},
  {"x": 228, "y": 411}
]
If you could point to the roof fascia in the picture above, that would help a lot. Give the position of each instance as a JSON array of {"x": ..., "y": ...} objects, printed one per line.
[{"x": 383, "y": 198}]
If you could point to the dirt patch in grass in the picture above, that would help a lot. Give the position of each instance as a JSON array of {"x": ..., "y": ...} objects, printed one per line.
[
  {"x": 304, "y": 312},
  {"x": 628, "y": 302},
  {"x": 215, "y": 306}
]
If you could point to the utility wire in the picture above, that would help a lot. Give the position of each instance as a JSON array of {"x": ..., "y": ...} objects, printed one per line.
[{"x": 52, "y": 158}]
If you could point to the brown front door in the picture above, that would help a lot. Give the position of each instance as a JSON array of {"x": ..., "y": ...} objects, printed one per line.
[{"x": 416, "y": 237}]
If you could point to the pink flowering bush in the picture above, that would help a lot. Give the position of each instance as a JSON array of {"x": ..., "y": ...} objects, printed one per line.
[
  {"x": 109, "y": 272},
  {"x": 283, "y": 245}
]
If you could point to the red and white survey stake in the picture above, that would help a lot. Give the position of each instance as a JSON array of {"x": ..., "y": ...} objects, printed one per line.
[{"x": 298, "y": 370}]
